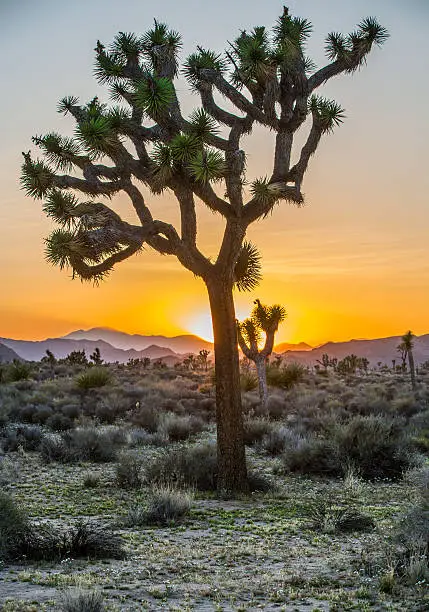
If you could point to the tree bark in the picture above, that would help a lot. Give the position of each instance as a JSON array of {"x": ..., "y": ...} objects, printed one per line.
[
  {"x": 412, "y": 368},
  {"x": 232, "y": 473},
  {"x": 261, "y": 370}
]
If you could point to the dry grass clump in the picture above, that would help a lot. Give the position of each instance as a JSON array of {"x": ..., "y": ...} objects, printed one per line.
[
  {"x": 329, "y": 517},
  {"x": 167, "y": 505},
  {"x": 79, "y": 600}
]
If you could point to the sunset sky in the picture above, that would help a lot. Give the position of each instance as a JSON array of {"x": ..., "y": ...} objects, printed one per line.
[{"x": 353, "y": 263}]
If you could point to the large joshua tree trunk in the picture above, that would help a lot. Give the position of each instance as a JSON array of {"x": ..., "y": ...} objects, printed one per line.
[
  {"x": 230, "y": 445},
  {"x": 261, "y": 370}
]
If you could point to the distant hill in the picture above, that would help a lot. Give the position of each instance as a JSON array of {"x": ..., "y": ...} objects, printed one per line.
[
  {"x": 186, "y": 343},
  {"x": 380, "y": 349},
  {"x": 287, "y": 346},
  {"x": 7, "y": 354},
  {"x": 34, "y": 351}
]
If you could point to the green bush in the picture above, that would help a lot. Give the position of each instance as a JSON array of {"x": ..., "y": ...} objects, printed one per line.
[
  {"x": 286, "y": 376},
  {"x": 16, "y": 371},
  {"x": 93, "y": 378}
]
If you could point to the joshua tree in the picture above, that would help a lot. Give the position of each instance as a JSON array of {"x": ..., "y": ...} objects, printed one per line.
[
  {"x": 402, "y": 350},
  {"x": 203, "y": 358},
  {"x": 408, "y": 345},
  {"x": 145, "y": 140},
  {"x": 263, "y": 320},
  {"x": 96, "y": 357}
]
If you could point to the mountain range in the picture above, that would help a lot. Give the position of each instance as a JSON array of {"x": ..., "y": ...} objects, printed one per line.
[{"x": 118, "y": 346}]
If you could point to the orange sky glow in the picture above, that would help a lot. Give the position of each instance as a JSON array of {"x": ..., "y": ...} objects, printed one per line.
[{"x": 352, "y": 263}]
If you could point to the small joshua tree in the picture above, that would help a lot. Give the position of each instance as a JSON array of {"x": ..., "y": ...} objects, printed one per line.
[
  {"x": 146, "y": 140},
  {"x": 407, "y": 345},
  {"x": 96, "y": 357},
  {"x": 264, "y": 320}
]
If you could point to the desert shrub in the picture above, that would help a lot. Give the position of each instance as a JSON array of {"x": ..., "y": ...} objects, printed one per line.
[
  {"x": 279, "y": 439},
  {"x": 91, "y": 540},
  {"x": 376, "y": 446},
  {"x": 178, "y": 428},
  {"x": 193, "y": 466},
  {"x": 90, "y": 444},
  {"x": 18, "y": 435},
  {"x": 248, "y": 380},
  {"x": 167, "y": 505},
  {"x": 331, "y": 518},
  {"x": 79, "y": 600},
  {"x": 14, "y": 525},
  {"x": 286, "y": 376},
  {"x": 255, "y": 429},
  {"x": 17, "y": 371},
  {"x": 129, "y": 472},
  {"x": 93, "y": 378},
  {"x": 9, "y": 471},
  {"x": 140, "y": 437},
  {"x": 314, "y": 456},
  {"x": 276, "y": 406},
  {"x": 91, "y": 480},
  {"x": 54, "y": 448},
  {"x": 59, "y": 422},
  {"x": 146, "y": 417},
  {"x": 83, "y": 444}
]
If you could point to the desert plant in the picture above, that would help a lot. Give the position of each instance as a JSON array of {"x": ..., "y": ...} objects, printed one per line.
[
  {"x": 192, "y": 466},
  {"x": 178, "y": 428},
  {"x": 80, "y": 600},
  {"x": 264, "y": 320},
  {"x": 330, "y": 518},
  {"x": 129, "y": 472},
  {"x": 375, "y": 445},
  {"x": 248, "y": 380},
  {"x": 94, "y": 378},
  {"x": 285, "y": 376},
  {"x": 95, "y": 357},
  {"x": 17, "y": 370},
  {"x": 255, "y": 429},
  {"x": 274, "y": 87},
  {"x": 167, "y": 504},
  {"x": 407, "y": 345}
]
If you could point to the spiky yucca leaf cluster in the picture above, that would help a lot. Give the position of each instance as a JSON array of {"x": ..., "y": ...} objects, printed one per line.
[
  {"x": 186, "y": 153},
  {"x": 60, "y": 151},
  {"x": 36, "y": 177},
  {"x": 327, "y": 113},
  {"x": 247, "y": 271},
  {"x": 268, "y": 318},
  {"x": 353, "y": 48},
  {"x": 197, "y": 63},
  {"x": 154, "y": 94},
  {"x": 250, "y": 331},
  {"x": 61, "y": 207}
]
